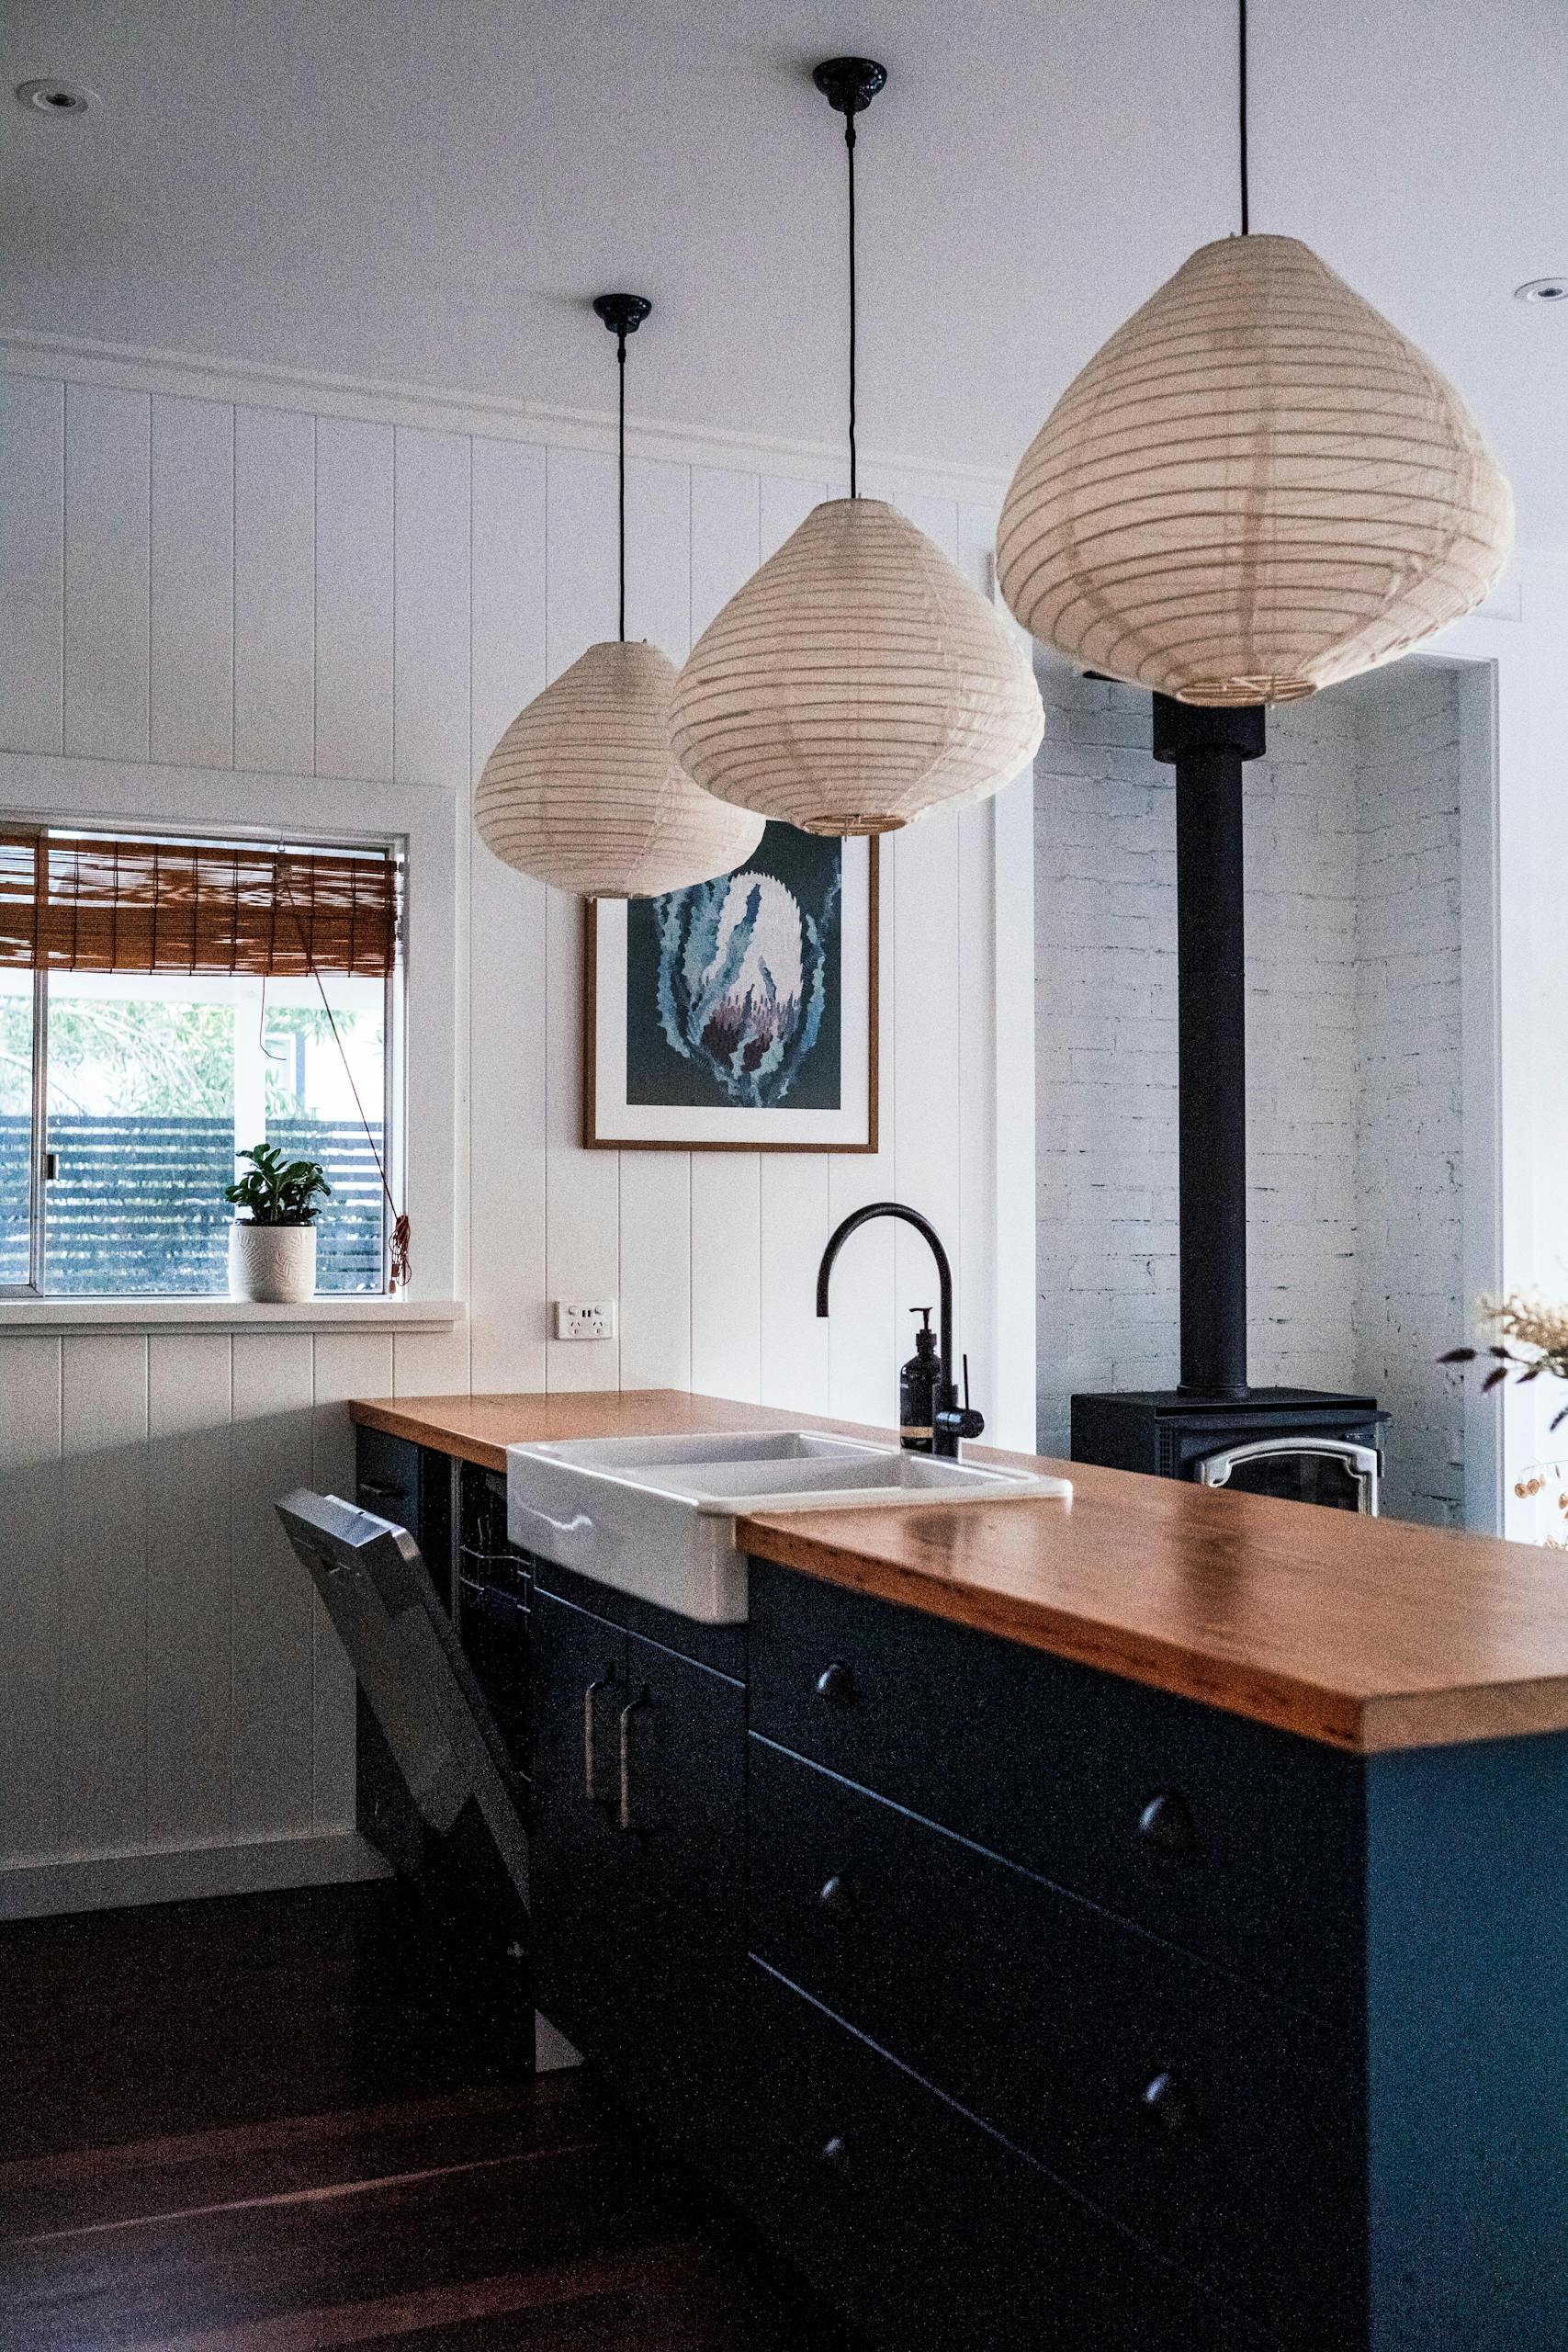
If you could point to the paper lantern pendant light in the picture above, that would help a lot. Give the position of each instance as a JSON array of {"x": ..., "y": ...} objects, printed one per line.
[
  {"x": 583, "y": 790},
  {"x": 1256, "y": 488},
  {"x": 857, "y": 680}
]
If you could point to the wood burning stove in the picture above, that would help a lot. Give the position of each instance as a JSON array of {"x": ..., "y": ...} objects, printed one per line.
[{"x": 1308, "y": 1444}]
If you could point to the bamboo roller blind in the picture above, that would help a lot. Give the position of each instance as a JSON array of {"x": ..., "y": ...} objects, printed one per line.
[{"x": 83, "y": 904}]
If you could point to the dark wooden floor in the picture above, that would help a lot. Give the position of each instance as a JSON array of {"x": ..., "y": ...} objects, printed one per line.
[{"x": 270, "y": 2124}]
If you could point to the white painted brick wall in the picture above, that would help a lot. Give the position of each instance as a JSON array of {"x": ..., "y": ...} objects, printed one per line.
[
  {"x": 1409, "y": 1298},
  {"x": 1353, "y": 1057}
]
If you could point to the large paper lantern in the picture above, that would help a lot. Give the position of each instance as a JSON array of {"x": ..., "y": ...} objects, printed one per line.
[
  {"x": 856, "y": 682},
  {"x": 581, "y": 789},
  {"x": 1256, "y": 487}
]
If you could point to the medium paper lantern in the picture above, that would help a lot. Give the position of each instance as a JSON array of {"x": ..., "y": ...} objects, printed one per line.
[
  {"x": 856, "y": 682},
  {"x": 1255, "y": 488},
  {"x": 581, "y": 789}
]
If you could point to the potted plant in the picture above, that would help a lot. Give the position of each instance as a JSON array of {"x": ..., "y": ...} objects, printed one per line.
[{"x": 272, "y": 1242}]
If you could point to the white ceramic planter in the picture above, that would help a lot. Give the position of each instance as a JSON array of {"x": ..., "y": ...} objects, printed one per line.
[{"x": 274, "y": 1264}]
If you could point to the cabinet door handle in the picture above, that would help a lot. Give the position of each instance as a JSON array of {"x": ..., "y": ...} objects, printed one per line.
[
  {"x": 1165, "y": 2103},
  {"x": 625, "y": 1815},
  {"x": 380, "y": 1492},
  {"x": 1167, "y": 1823},
  {"x": 836, "y": 1685},
  {"x": 834, "y": 1898},
  {"x": 590, "y": 1765},
  {"x": 835, "y": 2156}
]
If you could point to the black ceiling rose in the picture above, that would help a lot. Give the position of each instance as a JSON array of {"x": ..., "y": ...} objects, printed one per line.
[
  {"x": 621, "y": 313},
  {"x": 849, "y": 83}
]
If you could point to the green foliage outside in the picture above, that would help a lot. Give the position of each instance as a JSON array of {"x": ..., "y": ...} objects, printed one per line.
[
  {"x": 16, "y": 1052},
  {"x": 165, "y": 1060}
]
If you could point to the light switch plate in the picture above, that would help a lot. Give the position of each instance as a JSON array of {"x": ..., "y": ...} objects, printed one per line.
[{"x": 577, "y": 1320}]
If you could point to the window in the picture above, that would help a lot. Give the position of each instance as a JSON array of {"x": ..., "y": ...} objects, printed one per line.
[{"x": 165, "y": 1004}]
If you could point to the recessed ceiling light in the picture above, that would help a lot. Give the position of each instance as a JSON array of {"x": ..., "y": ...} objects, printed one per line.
[
  {"x": 61, "y": 101},
  {"x": 1542, "y": 289}
]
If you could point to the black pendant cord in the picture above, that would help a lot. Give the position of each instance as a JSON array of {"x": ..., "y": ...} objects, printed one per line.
[
  {"x": 622, "y": 314},
  {"x": 849, "y": 85},
  {"x": 620, "y": 479},
  {"x": 1241, "y": 59},
  {"x": 850, "y": 143}
]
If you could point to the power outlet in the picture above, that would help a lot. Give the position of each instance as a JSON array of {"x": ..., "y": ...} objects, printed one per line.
[{"x": 575, "y": 1321}]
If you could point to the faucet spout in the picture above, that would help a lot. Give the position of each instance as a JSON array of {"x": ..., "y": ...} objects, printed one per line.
[{"x": 952, "y": 1421}]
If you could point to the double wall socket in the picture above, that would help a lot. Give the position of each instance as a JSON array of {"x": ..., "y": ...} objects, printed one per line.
[{"x": 576, "y": 1321}]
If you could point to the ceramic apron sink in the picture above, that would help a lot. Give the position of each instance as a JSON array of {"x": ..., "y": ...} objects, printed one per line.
[{"x": 656, "y": 1516}]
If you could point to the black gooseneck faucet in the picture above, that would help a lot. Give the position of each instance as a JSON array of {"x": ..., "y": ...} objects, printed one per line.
[{"x": 952, "y": 1421}]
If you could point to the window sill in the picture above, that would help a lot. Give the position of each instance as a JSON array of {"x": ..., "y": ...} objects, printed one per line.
[{"x": 228, "y": 1314}]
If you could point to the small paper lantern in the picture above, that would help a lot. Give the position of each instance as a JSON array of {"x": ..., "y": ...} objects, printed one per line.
[
  {"x": 581, "y": 789},
  {"x": 1255, "y": 488},
  {"x": 856, "y": 682}
]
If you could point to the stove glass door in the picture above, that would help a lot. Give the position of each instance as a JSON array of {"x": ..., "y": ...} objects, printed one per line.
[{"x": 1334, "y": 1472}]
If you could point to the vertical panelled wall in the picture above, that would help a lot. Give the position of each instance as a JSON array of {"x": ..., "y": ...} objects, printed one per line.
[{"x": 208, "y": 585}]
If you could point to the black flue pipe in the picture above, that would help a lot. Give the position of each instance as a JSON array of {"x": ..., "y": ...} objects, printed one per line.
[{"x": 1208, "y": 750}]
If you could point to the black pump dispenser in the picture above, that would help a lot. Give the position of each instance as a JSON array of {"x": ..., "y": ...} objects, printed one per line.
[{"x": 918, "y": 1384}]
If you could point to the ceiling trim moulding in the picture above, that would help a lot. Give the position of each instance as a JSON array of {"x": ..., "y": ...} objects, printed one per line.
[{"x": 255, "y": 384}]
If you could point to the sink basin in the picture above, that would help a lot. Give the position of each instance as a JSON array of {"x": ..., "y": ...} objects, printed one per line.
[{"x": 655, "y": 1515}]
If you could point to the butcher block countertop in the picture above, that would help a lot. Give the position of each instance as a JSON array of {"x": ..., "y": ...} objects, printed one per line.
[{"x": 1368, "y": 1634}]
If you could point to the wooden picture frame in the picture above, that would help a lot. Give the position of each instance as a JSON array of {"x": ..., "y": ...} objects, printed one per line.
[{"x": 611, "y": 1122}]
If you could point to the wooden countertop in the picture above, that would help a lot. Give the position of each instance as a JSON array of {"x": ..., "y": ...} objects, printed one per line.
[{"x": 1368, "y": 1634}]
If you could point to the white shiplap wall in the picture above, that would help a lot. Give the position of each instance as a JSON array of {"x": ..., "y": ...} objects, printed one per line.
[{"x": 203, "y": 582}]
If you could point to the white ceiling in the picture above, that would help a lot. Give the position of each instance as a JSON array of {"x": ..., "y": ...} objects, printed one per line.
[{"x": 426, "y": 191}]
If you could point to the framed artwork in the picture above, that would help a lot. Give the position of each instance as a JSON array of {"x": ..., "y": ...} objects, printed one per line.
[{"x": 739, "y": 1015}]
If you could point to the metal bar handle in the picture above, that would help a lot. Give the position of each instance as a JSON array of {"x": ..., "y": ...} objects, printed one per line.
[
  {"x": 628, "y": 1711},
  {"x": 590, "y": 1766},
  {"x": 1362, "y": 1462}
]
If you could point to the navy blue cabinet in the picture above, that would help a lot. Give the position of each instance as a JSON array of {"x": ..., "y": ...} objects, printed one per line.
[
  {"x": 492, "y": 1584},
  {"x": 1234, "y": 1840},
  {"x": 1024, "y": 2007},
  {"x": 638, "y": 1854},
  {"x": 584, "y": 1960},
  {"x": 1202, "y": 2114},
  {"x": 924, "y": 2227}
]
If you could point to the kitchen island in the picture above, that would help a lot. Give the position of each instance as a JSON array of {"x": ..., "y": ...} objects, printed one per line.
[{"x": 1133, "y": 1921}]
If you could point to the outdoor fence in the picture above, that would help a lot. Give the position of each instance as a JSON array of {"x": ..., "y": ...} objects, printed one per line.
[{"x": 138, "y": 1205}]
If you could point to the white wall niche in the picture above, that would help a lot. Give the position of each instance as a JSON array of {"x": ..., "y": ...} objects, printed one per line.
[{"x": 1372, "y": 1122}]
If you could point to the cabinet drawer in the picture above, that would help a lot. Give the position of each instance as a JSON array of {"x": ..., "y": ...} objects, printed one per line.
[
  {"x": 1212, "y": 2119},
  {"x": 1232, "y": 1838},
  {"x": 922, "y": 2227}
]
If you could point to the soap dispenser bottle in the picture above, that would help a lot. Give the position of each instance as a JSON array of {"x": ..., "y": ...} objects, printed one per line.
[{"x": 917, "y": 1385}]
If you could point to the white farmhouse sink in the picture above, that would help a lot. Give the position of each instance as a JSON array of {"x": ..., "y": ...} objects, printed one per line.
[{"x": 655, "y": 1515}]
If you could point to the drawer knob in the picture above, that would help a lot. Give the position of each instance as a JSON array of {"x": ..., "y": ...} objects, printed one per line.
[
  {"x": 1167, "y": 1823},
  {"x": 835, "y": 2157},
  {"x": 836, "y": 1685},
  {"x": 835, "y": 1899},
  {"x": 1167, "y": 2104}
]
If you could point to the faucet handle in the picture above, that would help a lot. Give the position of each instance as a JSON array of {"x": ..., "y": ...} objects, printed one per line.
[{"x": 959, "y": 1421}]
